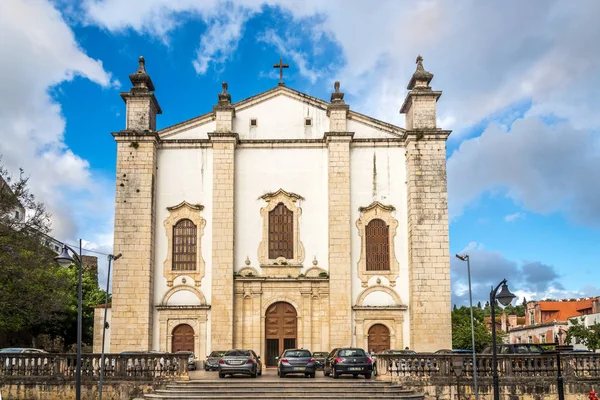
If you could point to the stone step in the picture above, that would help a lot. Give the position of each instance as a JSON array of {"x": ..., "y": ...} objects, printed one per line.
[
  {"x": 286, "y": 390},
  {"x": 273, "y": 396}
]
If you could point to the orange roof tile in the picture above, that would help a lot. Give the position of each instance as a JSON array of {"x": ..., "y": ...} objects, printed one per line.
[{"x": 563, "y": 310}]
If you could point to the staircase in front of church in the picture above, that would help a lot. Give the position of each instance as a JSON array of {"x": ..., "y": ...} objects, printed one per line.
[{"x": 290, "y": 389}]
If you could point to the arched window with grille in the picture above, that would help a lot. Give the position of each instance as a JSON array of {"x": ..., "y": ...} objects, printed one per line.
[
  {"x": 378, "y": 245},
  {"x": 281, "y": 232},
  {"x": 184, "y": 246}
]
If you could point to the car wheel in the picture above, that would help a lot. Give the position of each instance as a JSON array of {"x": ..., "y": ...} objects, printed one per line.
[
  {"x": 354, "y": 376},
  {"x": 206, "y": 369},
  {"x": 221, "y": 375},
  {"x": 260, "y": 372},
  {"x": 282, "y": 375},
  {"x": 325, "y": 373},
  {"x": 313, "y": 375},
  {"x": 253, "y": 375},
  {"x": 335, "y": 374},
  {"x": 367, "y": 376}
]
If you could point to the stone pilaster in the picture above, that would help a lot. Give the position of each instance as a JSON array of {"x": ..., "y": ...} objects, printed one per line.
[
  {"x": 428, "y": 246},
  {"x": 222, "y": 241},
  {"x": 133, "y": 276},
  {"x": 340, "y": 260}
]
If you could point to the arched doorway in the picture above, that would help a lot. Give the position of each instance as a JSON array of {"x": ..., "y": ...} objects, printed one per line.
[
  {"x": 183, "y": 338},
  {"x": 280, "y": 330},
  {"x": 379, "y": 338}
]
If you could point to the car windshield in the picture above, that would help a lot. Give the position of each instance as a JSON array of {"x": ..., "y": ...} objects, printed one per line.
[
  {"x": 320, "y": 354},
  {"x": 297, "y": 353},
  {"x": 400, "y": 352},
  {"x": 351, "y": 353},
  {"x": 10, "y": 350},
  {"x": 217, "y": 354},
  {"x": 528, "y": 349},
  {"x": 237, "y": 353}
]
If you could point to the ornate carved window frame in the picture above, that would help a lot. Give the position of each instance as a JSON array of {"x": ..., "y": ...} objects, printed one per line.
[
  {"x": 376, "y": 210},
  {"x": 289, "y": 200},
  {"x": 184, "y": 210}
]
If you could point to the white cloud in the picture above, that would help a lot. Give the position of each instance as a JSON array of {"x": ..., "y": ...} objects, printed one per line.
[
  {"x": 514, "y": 217},
  {"x": 545, "y": 168},
  {"x": 532, "y": 280},
  {"x": 38, "y": 51}
]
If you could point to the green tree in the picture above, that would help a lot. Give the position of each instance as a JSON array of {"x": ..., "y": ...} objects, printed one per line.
[
  {"x": 461, "y": 329},
  {"x": 588, "y": 336}
]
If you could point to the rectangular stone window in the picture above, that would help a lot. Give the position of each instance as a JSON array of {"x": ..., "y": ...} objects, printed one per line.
[
  {"x": 253, "y": 122},
  {"x": 184, "y": 246},
  {"x": 308, "y": 122},
  {"x": 378, "y": 245},
  {"x": 281, "y": 233}
]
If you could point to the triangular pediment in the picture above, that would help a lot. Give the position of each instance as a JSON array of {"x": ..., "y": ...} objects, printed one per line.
[{"x": 281, "y": 113}]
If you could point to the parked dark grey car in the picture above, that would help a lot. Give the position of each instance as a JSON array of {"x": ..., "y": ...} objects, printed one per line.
[
  {"x": 244, "y": 362},
  {"x": 296, "y": 361},
  {"x": 212, "y": 361},
  {"x": 349, "y": 361}
]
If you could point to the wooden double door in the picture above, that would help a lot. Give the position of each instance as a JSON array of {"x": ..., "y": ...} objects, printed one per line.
[
  {"x": 281, "y": 330},
  {"x": 379, "y": 338},
  {"x": 183, "y": 338}
]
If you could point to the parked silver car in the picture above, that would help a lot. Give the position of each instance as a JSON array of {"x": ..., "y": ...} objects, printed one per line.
[
  {"x": 212, "y": 361},
  {"x": 244, "y": 362}
]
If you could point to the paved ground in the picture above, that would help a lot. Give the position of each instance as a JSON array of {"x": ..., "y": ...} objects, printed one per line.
[{"x": 269, "y": 374}]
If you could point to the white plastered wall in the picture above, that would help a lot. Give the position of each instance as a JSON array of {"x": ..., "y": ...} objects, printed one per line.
[
  {"x": 182, "y": 174},
  {"x": 281, "y": 118},
  {"x": 260, "y": 171},
  {"x": 390, "y": 189}
]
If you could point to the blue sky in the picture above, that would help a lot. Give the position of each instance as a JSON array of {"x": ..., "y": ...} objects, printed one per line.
[{"x": 519, "y": 84}]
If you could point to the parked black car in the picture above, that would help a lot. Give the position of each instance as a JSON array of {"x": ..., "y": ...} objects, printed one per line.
[
  {"x": 320, "y": 357},
  {"x": 348, "y": 361},
  {"x": 515, "y": 348},
  {"x": 212, "y": 361},
  {"x": 296, "y": 361}
]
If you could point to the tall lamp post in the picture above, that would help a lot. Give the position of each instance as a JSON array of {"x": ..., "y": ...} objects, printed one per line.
[
  {"x": 465, "y": 257},
  {"x": 65, "y": 260},
  {"x": 505, "y": 297},
  {"x": 105, "y": 326}
]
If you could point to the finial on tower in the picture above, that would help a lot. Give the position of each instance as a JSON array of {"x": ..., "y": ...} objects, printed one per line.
[
  {"x": 140, "y": 79},
  {"x": 337, "y": 96},
  {"x": 421, "y": 77},
  {"x": 224, "y": 97},
  {"x": 142, "y": 67}
]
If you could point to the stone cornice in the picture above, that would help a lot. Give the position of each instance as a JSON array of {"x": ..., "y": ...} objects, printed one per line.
[
  {"x": 198, "y": 307},
  {"x": 197, "y": 207},
  {"x": 338, "y": 136},
  {"x": 419, "y": 135},
  {"x": 418, "y": 92},
  {"x": 126, "y": 95},
  {"x": 223, "y": 137},
  {"x": 270, "y": 195},
  {"x": 140, "y": 136},
  {"x": 380, "y": 308},
  {"x": 376, "y": 204}
]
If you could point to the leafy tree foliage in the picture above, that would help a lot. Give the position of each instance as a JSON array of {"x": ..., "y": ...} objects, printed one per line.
[
  {"x": 588, "y": 336},
  {"x": 461, "y": 329},
  {"x": 37, "y": 295}
]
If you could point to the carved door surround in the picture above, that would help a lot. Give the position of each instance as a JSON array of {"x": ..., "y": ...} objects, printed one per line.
[
  {"x": 184, "y": 210},
  {"x": 281, "y": 266},
  {"x": 376, "y": 210}
]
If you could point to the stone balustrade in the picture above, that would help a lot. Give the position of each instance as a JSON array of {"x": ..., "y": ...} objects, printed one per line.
[
  {"x": 521, "y": 376},
  {"x": 143, "y": 366},
  {"x": 582, "y": 365}
]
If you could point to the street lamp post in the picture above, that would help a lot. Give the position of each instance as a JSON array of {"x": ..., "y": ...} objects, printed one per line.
[
  {"x": 65, "y": 260},
  {"x": 105, "y": 325},
  {"x": 505, "y": 297},
  {"x": 465, "y": 257}
]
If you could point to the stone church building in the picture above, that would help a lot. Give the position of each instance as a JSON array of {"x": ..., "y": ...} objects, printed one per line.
[{"x": 280, "y": 221}]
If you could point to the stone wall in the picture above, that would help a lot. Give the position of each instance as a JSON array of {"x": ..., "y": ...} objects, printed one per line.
[
  {"x": 34, "y": 389},
  {"x": 223, "y": 234},
  {"x": 340, "y": 260},
  {"x": 428, "y": 247},
  {"x": 133, "y": 282}
]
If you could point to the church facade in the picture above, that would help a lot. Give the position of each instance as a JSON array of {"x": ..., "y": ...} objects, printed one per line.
[{"x": 280, "y": 221}]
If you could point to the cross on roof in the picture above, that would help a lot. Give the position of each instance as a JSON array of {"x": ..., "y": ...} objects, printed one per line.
[{"x": 281, "y": 66}]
